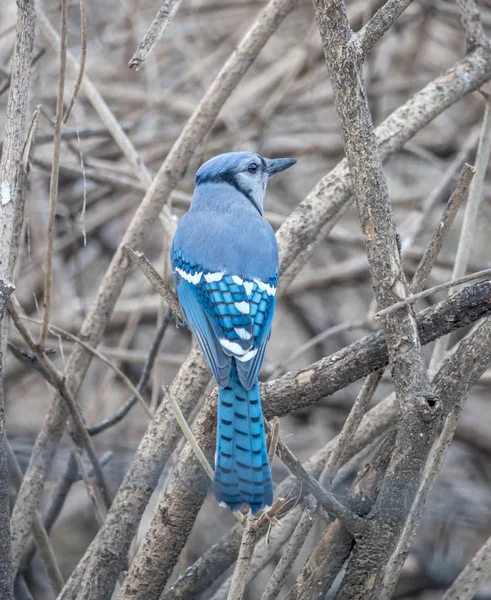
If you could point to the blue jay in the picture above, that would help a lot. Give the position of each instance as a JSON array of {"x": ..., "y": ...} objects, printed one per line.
[{"x": 224, "y": 260}]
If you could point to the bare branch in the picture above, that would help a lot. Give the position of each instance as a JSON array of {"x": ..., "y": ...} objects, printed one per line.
[
  {"x": 83, "y": 58},
  {"x": 243, "y": 561},
  {"x": 40, "y": 534},
  {"x": 327, "y": 501},
  {"x": 13, "y": 182},
  {"x": 470, "y": 216},
  {"x": 471, "y": 20},
  {"x": 381, "y": 22},
  {"x": 274, "y": 435},
  {"x": 486, "y": 274},
  {"x": 475, "y": 573},
  {"x": 188, "y": 434},
  {"x": 291, "y": 552},
  {"x": 142, "y": 383},
  {"x": 418, "y": 412},
  {"x": 155, "y": 32},
  {"x": 156, "y": 280},
  {"x": 58, "y": 382},
  {"x": 350, "y": 426},
  {"x": 433, "y": 249},
  {"x": 55, "y": 170}
]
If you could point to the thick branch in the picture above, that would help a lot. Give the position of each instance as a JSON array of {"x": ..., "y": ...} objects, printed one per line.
[
  {"x": 334, "y": 547},
  {"x": 13, "y": 182},
  {"x": 299, "y": 389},
  {"x": 99, "y": 314},
  {"x": 280, "y": 397},
  {"x": 316, "y": 215}
]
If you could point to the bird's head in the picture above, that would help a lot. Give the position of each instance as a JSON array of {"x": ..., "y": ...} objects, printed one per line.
[{"x": 247, "y": 172}]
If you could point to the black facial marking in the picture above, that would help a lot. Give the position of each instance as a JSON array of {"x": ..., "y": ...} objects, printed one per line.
[{"x": 231, "y": 180}]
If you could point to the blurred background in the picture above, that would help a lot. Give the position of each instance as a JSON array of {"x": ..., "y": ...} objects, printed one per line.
[{"x": 283, "y": 107}]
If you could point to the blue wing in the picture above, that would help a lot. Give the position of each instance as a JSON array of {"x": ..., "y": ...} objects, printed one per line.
[
  {"x": 229, "y": 316},
  {"x": 197, "y": 320}
]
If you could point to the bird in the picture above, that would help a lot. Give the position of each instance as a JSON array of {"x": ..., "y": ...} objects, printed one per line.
[{"x": 224, "y": 259}]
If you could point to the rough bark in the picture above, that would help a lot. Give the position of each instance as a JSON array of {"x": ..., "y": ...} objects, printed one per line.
[
  {"x": 156, "y": 556},
  {"x": 13, "y": 182}
]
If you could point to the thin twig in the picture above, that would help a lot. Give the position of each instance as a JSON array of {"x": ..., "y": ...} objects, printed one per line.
[
  {"x": 93, "y": 492},
  {"x": 97, "y": 101},
  {"x": 486, "y": 274},
  {"x": 326, "y": 500},
  {"x": 350, "y": 426},
  {"x": 54, "y": 180},
  {"x": 439, "y": 192},
  {"x": 58, "y": 382},
  {"x": 432, "y": 251},
  {"x": 274, "y": 435},
  {"x": 156, "y": 280},
  {"x": 83, "y": 58},
  {"x": 155, "y": 32},
  {"x": 102, "y": 358},
  {"x": 470, "y": 219},
  {"x": 291, "y": 552},
  {"x": 188, "y": 434},
  {"x": 475, "y": 195},
  {"x": 142, "y": 383}
]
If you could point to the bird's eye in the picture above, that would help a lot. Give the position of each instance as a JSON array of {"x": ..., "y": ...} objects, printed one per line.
[{"x": 252, "y": 168}]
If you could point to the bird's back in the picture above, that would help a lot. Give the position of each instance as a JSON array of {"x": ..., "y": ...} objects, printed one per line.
[{"x": 229, "y": 238}]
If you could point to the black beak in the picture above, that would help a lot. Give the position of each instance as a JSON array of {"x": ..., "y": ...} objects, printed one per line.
[{"x": 275, "y": 165}]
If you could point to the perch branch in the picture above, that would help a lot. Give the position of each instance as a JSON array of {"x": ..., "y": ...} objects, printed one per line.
[
  {"x": 249, "y": 538},
  {"x": 300, "y": 388}
]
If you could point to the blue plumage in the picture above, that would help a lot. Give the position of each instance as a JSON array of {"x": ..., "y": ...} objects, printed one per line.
[
  {"x": 225, "y": 263},
  {"x": 242, "y": 471}
]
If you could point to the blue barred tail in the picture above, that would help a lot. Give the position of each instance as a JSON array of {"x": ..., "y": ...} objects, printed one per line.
[{"x": 242, "y": 471}]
